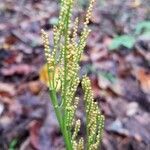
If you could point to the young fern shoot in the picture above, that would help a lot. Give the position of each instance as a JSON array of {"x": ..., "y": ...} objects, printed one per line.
[{"x": 63, "y": 67}]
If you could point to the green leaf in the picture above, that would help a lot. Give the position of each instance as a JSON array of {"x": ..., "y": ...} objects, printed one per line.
[
  {"x": 123, "y": 40},
  {"x": 145, "y": 35},
  {"x": 109, "y": 76},
  {"x": 13, "y": 144},
  {"x": 142, "y": 27}
]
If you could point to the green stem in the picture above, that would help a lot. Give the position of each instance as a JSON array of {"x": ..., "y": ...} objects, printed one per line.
[
  {"x": 66, "y": 132},
  {"x": 55, "y": 105},
  {"x": 67, "y": 140},
  {"x": 60, "y": 121},
  {"x": 58, "y": 110}
]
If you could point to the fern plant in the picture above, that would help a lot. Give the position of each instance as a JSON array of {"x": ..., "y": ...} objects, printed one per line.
[{"x": 63, "y": 67}]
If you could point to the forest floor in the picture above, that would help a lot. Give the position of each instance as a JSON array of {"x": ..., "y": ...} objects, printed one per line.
[{"x": 120, "y": 75}]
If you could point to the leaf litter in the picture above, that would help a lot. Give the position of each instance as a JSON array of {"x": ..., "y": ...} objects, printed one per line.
[{"x": 120, "y": 79}]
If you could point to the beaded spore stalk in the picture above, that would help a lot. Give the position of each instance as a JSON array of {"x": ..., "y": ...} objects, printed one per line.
[{"x": 63, "y": 67}]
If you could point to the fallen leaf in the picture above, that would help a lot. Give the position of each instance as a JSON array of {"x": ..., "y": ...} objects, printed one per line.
[
  {"x": 34, "y": 134},
  {"x": 99, "y": 52},
  {"x": 21, "y": 69},
  {"x": 125, "y": 127},
  {"x": 25, "y": 144},
  {"x": 35, "y": 87},
  {"x": 95, "y": 88},
  {"x": 7, "y": 89},
  {"x": 135, "y": 3},
  {"x": 43, "y": 73},
  {"x": 10, "y": 40},
  {"x": 143, "y": 76},
  {"x": 117, "y": 126},
  {"x": 132, "y": 109},
  {"x": 8, "y": 57}
]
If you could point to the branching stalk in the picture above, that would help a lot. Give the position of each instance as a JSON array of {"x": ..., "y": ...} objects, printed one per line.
[{"x": 63, "y": 68}]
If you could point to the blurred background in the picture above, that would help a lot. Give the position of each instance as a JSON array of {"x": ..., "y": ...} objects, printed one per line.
[{"x": 116, "y": 58}]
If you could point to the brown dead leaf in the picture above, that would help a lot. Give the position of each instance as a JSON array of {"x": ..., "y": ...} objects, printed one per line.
[
  {"x": 34, "y": 134},
  {"x": 10, "y": 40},
  {"x": 93, "y": 38},
  {"x": 43, "y": 73},
  {"x": 35, "y": 87},
  {"x": 7, "y": 90},
  {"x": 9, "y": 57},
  {"x": 95, "y": 87},
  {"x": 115, "y": 87},
  {"x": 135, "y": 3},
  {"x": 25, "y": 145},
  {"x": 6, "y": 100},
  {"x": 143, "y": 76},
  {"x": 99, "y": 52},
  {"x": 21, "y": 69}
]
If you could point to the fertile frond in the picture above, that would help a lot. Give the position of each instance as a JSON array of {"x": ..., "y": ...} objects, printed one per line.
[
  {"x": 94, "y": 119},
  {"x": 63, "y": 68}
]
